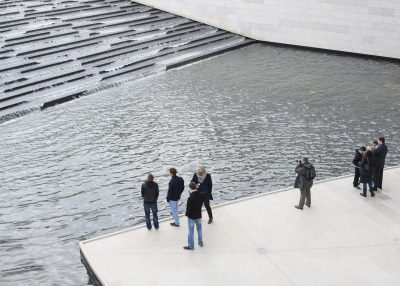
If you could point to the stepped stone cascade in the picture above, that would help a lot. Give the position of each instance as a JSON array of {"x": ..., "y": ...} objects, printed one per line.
[{"x": 55, "y": 51}]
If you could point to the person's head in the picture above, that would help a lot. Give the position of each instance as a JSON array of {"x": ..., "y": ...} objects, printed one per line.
[
  {"x": 192, "y": 186},
  {"x": 381, "y": 140},
  {"x": 362, "y": 149},
  {"x": 150, "y": 177},
  {"x": 201, "y": 170},
  {"x": 374, "y": 144},
  {"x": 369, "y": 148},
  {"x": 304, "y": 160},
  {"x": 172, "y": 171}
]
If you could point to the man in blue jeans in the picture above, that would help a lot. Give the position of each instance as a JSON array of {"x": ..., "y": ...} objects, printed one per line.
[
  {"x": 175, "y": 189},
  {"x": 150, "y": 193},
  {"x": 193, "y": 212}
]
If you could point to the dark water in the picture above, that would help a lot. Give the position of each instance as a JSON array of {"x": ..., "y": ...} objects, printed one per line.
[{"x": 73, "y": 172}]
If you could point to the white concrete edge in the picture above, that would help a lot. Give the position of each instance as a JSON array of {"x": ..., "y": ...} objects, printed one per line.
[
  {"x": 99, "y": 276},
  {"x": 227, "y": 203}
]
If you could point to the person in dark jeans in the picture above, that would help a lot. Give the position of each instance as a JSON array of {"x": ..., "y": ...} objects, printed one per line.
[
  {"x": 204, "y": 185},
  {"x": 380, "y": 156},
  {"x": 357, "y": 159},
  {"x": 150, "y": 194}
]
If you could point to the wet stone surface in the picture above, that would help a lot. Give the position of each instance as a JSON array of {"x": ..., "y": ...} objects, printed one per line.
[
  {"x": 55, "y": 51},
  {"x": 74, "y": 171}
]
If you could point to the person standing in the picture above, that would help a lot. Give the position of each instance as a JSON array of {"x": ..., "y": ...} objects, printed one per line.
[
  {"x": 204, "y": 184},
  {"x": 193, "y": 213},
  {"x": 366, "y": 170},
  {"x": 380, "y": 156},
  {"x": 150, "y": 194},
  {"x": 357, "y": 159},
  {"x": 374, "y": 144},
  {"x": 175, "y": 189},
  {"x": 304, "y": 182}
]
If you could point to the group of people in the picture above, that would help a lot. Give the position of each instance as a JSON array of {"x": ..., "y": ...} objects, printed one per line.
[
  {"x": 200, "y": 190},
  {"x": 369, "y": 163}
]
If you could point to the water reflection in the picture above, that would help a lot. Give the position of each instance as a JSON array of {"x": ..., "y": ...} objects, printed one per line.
[{"x": 74, "y": 171}]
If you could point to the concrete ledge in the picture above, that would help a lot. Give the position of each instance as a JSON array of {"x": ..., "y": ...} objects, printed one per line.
[{"x": 343, "y": 239}]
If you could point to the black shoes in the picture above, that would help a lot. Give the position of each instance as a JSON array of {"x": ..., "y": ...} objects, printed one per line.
[
  {"x": 173, "y": 224},
  {"x": 361, "y": 194},
  {"x": 188, "y": 248}
]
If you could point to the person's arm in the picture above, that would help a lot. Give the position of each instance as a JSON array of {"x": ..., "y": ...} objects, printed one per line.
[
  {"x": 157, "y": 191},
  {"x": 301, "y": 170},
  {"x": 194, "y": 179},
  {"x": 169, "y": 192},
  {"x": 142, "y": 191},
  {"x": 209, "y": 184},
  {"x": 356, "y": 159},
  {"x": 362, "y": 162},
  {"x": 183, "y": 185},
  {"x": 189, "y": 207}
]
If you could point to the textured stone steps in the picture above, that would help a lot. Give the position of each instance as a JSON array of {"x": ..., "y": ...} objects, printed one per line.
[
  {"x": 91, "y": 39},
  {"x": 174, "y": 51},
  {"x": 49, "y": 28},
  {"x": 74, "y": 9},
  {"x": 128, "y": 48},
  {"x": 22, "y": 86},
  {"x": 41, "y": 39},
  {"x": 55, "y": 51},
  {"x": 93, "y": 16},
  {"x": 18, "y": 67}
]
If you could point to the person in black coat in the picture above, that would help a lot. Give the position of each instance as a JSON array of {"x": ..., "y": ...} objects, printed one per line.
[
  {"x": 357, "y": 159},
  {"x": 366, "y": 170},
  {"x": 150, "y": 194},
  {"x": 175, "y": 188},
  {"x": 193, "y": 213},
  {"x": 204, "y": 184},
  {"x": 380, "y": 155}
]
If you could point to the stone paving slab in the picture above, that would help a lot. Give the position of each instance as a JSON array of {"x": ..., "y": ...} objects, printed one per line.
[{"x": 343, "y": 239}]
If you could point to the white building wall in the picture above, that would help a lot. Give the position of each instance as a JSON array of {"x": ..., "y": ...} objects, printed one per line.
[{"x": 360, "y": 26}]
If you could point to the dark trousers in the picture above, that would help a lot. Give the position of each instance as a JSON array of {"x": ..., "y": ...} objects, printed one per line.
[
  {"x": 305, "y": 197},
  {"x": 153, "y": 208},
  {"x": 206, "y": 201},
  {"x": 378, "y": 177},
  {"x": 356, "y": 177}
]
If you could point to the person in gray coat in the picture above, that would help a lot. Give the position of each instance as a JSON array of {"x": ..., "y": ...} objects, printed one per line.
[{"x": 303, "y": 183}]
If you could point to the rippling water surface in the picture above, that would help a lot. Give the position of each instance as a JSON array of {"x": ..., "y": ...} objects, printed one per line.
[{"x": 74, "y": 172}]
